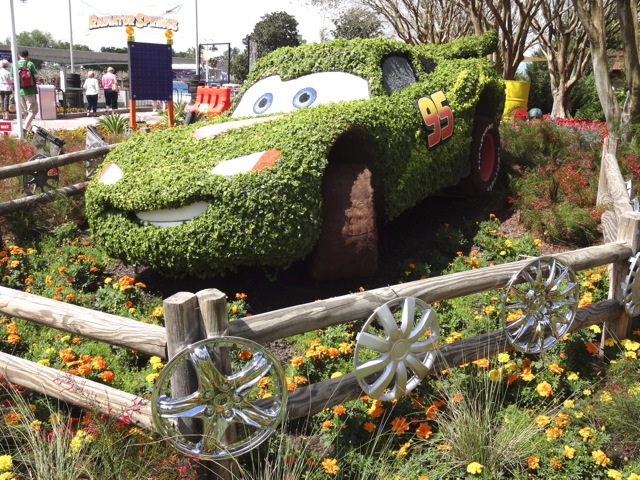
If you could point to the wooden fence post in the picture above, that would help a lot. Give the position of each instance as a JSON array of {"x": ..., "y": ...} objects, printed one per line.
[
  {"x": 184, "y": 327},
  {"x": 213, "y": 309},
  {"x": 628, "y": 231}
]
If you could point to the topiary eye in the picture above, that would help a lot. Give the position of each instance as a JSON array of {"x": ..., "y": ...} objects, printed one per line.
[
  {"x": 263, "y": 103},
  {"x": 305, "y": 97}
]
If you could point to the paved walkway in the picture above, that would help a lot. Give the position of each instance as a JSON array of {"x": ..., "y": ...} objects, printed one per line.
[{"x": 75, "y": 120}]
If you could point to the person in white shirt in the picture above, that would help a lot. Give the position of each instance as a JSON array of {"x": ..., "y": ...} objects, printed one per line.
[
  {"x": 6, "y": 88},
  {"x": 91, "y": 89}
]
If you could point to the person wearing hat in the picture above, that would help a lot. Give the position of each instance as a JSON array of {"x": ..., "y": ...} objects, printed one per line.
[
  {"x": 6, "y": 88},
  {"x": 28, "y": 95}
]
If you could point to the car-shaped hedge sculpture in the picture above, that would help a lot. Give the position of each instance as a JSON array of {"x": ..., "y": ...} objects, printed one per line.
[{"x": 323, "y": 143}]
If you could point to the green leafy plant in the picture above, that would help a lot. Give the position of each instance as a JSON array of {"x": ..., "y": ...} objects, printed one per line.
[{"x": 114, "y": 123}]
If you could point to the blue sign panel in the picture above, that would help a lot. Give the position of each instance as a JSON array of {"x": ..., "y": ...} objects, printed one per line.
[{"x": 150, "y": 73}]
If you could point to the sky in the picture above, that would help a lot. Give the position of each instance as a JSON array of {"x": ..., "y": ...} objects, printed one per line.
[{"x": 218, "y": 21}]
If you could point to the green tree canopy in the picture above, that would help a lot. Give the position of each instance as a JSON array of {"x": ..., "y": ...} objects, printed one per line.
[
  {"x": 275, "y": 30},
  {"x": 34, "y": 38},
  {"x": 357, "y": 22}
]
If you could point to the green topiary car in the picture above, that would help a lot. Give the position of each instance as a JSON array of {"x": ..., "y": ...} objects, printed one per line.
[{"x": 323, "y": 141}]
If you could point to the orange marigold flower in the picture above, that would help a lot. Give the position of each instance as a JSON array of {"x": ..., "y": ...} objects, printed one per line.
[
  {"x": 542, "y": 420},
  {"x": 98, "y": 363},
  {"x": 555, "y": 463},
  {"x": 70, "y": 296},
  {"x": 563, "y": 420},
  {"x": 67, "y": 355},
  {"x": 333, "y": 352},
  {"x": 12, "y": 418},
  {"x": 339, "y": 409},
  {"x": 327, "y": 424},
  {"x": 241, "y": 296},
  {"x": 291, "y": 386},
  {"x": 93, "y": 269},
  {"x": 84, "y": 369},
  {"x": 62, "y": 269},
  {"x": 330, "y": 466},
  {"x": 555, "y": 368},
  {"x": 457, "y": 397},
  {"x": 12, "y": 327},
  {"x": 297, "y": 361},
  {"x": 59, "y": 289},
  {"x": 586, "y": 432},
  {"x": 526, "y": 375},
  {"x": 403, "y": 450},
  {"x": 399, "y": 425},
  {"x": 300, "y": 380},
  {"x": 369, "y": 426},
  {"x": 600, "y": 458},
  {"x": 140, "y": 285},
  {"x": 482, "y": 362},
  {"x": 375, "y": 410},
  {"x": 553, "y": 433},
  {"x": 533, "y": 462},
  {"x": 431, "y": 411},
  {"x": 544, "y": 389},
  {"x": 245, "y": 355},
  {"x": 423, "y": 431},
  {"x": 12, "y": 338},
  {"x": 592, "y": 348},
  {"x": 107, "y": 375}
]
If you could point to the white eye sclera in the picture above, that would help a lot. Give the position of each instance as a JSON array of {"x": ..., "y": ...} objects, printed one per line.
[{"x": 272, "y": 95}]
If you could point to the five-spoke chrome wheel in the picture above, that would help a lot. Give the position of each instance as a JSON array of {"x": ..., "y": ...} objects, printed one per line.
[
  {"x": 250, "y": 398},
  {"x": 391, "y": 359},
  {"x": 539, "y": 304}
]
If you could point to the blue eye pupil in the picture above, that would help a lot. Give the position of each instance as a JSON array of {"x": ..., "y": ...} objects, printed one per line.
[
  {"x": 305, "y": 97},
  {"x": 263, "y": 103}
]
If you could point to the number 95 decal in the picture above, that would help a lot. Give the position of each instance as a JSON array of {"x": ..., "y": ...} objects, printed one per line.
[{"x": 437, "y": 116}]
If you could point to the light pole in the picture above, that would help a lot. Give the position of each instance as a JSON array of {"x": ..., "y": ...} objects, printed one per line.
[
  {"x": 16, "y": 78},
  {"x": 70, "y": 37},
  {"x": 197, "y": 45}
]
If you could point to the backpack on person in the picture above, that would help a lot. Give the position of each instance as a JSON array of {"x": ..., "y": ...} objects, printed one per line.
[{"x": 26, "y": 77}]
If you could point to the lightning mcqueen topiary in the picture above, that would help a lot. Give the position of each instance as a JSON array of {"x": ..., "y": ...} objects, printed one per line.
[{"x": 323, "y": 142}]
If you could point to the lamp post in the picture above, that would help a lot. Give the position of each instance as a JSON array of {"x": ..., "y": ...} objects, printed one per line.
[
  {"x": 70, "y": 37},
  {"x": 197, "y": 45},
  {"x": 16, "y": 80}
]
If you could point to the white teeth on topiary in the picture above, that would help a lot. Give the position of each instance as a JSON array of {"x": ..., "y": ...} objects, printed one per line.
[{"x": 172, "y": 217}]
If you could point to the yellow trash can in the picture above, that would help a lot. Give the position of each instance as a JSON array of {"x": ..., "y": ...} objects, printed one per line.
[{"x": 517, "y": 96}]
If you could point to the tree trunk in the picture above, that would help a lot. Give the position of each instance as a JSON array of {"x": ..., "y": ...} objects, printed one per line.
[
  {"x": 592, "y": 17},
  {"x": 628, "y": 15}
]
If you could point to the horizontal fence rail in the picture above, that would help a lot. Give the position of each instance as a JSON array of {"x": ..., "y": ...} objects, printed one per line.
[{"x": 191, "y": 317}]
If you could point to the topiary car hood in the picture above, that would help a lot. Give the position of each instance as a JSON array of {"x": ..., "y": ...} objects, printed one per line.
[{"x": 208, "y": 198}]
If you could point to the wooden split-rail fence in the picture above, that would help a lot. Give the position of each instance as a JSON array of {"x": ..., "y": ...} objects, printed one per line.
[{"x": 190, "y": 317}]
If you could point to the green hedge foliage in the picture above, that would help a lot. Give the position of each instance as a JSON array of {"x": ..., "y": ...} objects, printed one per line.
[{"x": 272, "y": 217}]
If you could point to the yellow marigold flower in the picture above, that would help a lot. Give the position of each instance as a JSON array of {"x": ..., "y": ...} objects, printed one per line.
[
  {"x": 595, "y": 329},
  {"x": 336, "y": 374},
  {"x": 35, "y": 424},
  {"x": 586, "y": 392},
  {"x": 157, "y": 312},
  {"x": 555, "y": 368},
  {"x": 586, "y": 432},
  {"x": 633, "y": 476},
  {"x": 152, "y": 377},
  {"x": 553, "y": 433},
  {"x": 569, "y": 452},
  {"x": 330, "y": 466},
  {"x": 300, "y": 380},
  {"x": 345, "y": 348},
  {"x": 563, "y": 420},
  {"x": 616, "y": 475},
  {"x": 403, "y": 450},
  {"x": 503, "y": 357},
  {"x": 526, "y": 375},
  {"x": 369, "y": 426},
  {"x": 508, "y": 243},
  {"x": 399, "y": 425},
  {"x": 569, "y": 404},
  {"x": 544, "y": 389},
  {"x": 489, "y": 309},
  {"x": 600, "y": 458},
  {"x": 6, "y": 462},
  {"x": 573, "y": 376},
  {"x": 630, "y": 345},
  {"x": 495, "y": 375},
  {"x": 533, "y": 462},
  {"x": 297, "y": 361},
  {"x": 474, "y": 468},
  {"x": 375, "y": 410},
  {"x": 609, "y": 342},
  {"x": 14, "y": 264},
  {"x": 542, "y": 420}
]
